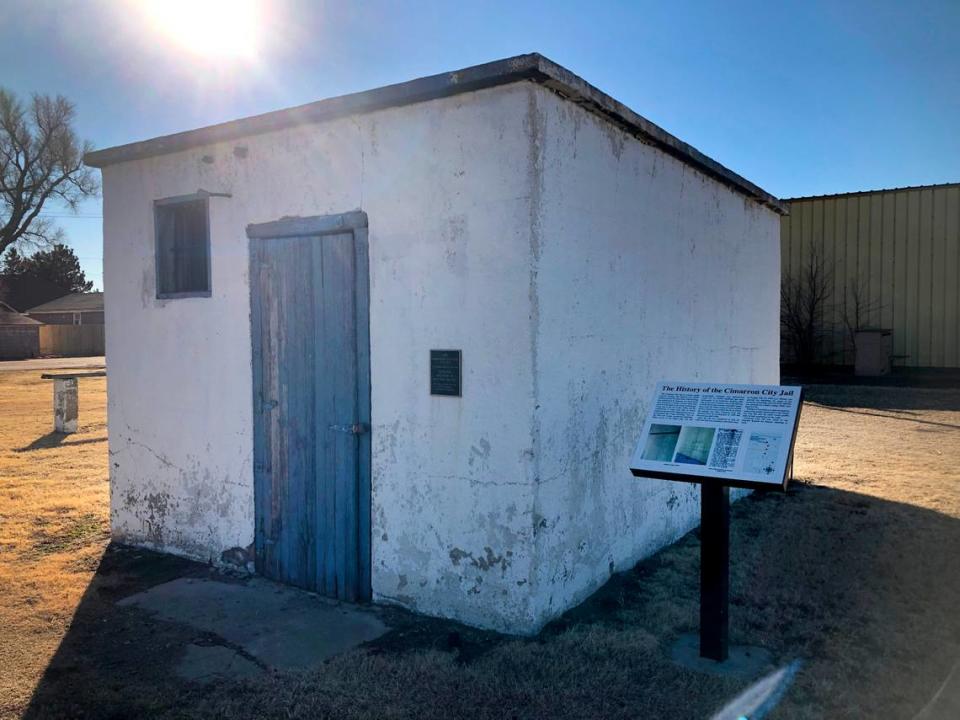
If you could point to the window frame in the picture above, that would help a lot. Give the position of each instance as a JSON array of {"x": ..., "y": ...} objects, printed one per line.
[{"x": 178, "y": 200}]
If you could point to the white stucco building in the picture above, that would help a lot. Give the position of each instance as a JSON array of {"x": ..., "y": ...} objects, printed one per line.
[{"x": 275, "y": 286}]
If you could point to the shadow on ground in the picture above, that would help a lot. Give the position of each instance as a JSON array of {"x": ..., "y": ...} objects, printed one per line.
[
  {"x": 864, "y": 590},
  {"x": 904, "y": 401},
  {"x": 57, "y": 439},
  {"x": 899, "y": 377}
]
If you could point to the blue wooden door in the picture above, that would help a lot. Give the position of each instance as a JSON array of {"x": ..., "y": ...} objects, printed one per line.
[{"x": 309, "y": 330}]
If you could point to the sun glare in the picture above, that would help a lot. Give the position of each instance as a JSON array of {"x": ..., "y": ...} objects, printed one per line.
[{"x": 213, "y": 29}]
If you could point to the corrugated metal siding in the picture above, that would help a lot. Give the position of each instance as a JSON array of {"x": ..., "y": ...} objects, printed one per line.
[{"x": 903, "y": 247}]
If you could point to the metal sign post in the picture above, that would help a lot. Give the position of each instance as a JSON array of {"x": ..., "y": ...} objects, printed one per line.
[{"x": 714, "y": 571}]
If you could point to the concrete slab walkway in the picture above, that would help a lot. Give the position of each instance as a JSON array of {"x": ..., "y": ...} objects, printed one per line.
[{"x": 256, "y": 625}]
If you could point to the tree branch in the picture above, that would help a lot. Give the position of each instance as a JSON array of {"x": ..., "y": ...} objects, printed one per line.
[{"x": 41, "y": 159}]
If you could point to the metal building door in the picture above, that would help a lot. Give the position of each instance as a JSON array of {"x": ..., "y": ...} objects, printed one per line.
[{"x": 311, "y": 403}]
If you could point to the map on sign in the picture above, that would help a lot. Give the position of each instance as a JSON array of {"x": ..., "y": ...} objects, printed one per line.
[{"x": 737, "y": 434}]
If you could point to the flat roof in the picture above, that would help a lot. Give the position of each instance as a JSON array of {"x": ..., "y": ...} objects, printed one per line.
[
  {"x": 855, "y": 193},
  {"x": 532, "y": 67}
]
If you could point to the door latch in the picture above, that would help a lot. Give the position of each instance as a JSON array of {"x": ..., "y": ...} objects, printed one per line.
[{"x": 355, "y": 429}]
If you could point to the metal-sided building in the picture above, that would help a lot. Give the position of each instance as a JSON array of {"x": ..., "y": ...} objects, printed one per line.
[
  {"x": 899, "y": 251},
  {"x": 275, "y": 287}
]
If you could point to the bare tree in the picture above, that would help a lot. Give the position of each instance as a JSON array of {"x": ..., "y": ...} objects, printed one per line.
[
  {"x": 41, "y": 160},
  {"x": 804, "y": 301},
  {"x": 856, "y": 311}
]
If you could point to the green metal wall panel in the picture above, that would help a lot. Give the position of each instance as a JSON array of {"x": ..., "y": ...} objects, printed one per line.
[{"x": 902, "y": 249}]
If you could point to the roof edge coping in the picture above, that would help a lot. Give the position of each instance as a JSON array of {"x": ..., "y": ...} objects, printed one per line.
[{"x": 531, "y": 67}]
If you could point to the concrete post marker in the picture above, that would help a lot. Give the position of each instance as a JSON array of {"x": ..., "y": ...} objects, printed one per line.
[
  {"x": 65, "y": 399},
  {"x": 65, "y": 405}
]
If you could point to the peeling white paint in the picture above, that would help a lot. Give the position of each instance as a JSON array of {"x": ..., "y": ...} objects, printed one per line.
[
  {"x": 573, "y": 265},
  {"x": 647, "y": 269}
]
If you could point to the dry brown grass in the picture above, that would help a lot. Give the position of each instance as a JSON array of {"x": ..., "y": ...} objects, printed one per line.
[
  {"x": 53, "y": 523},
  {"x": 855, "y": 571},
  {"x": 898, "y": 444}
]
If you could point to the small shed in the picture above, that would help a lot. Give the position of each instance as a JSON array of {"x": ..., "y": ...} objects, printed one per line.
[
  {"x": 398, "y": 345},
  {"x": 19, "y": 335}
]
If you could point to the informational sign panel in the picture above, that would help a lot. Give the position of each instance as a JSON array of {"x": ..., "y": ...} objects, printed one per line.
[
  {"x": 738, "y": 435},
  {"x": 445, "y": 372}
]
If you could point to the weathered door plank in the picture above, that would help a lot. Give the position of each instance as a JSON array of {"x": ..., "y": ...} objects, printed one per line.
[
  {"x": 310, "y": 344},
  {"x": 340, "y": 384}
]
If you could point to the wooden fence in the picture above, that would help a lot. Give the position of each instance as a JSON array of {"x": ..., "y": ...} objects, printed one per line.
[{"x": 72, "y": 340}]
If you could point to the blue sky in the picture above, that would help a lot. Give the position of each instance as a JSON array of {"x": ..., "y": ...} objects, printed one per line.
[{"x": 799, "y": 97}]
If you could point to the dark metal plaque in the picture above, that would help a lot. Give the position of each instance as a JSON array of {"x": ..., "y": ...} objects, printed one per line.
[{"x": 445, "y": 372}]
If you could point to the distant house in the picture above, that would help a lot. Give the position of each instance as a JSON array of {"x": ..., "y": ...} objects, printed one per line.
[
  {"x": 19, "y": 335},
  {"x": 73, "y": 309}
]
